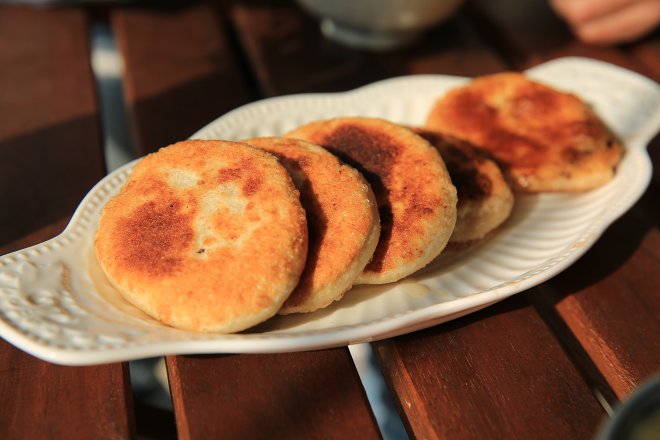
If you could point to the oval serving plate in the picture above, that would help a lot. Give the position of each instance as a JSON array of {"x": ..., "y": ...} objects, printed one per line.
[{"x": 56, "y": 304}]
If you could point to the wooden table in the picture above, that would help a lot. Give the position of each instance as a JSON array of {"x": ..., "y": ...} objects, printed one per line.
[{"x": 545, "y": 363}]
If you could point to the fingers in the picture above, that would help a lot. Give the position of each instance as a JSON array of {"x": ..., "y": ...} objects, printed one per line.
[
  {"x": 609, "y": 21},
  {"x": 583, "y": 11}
]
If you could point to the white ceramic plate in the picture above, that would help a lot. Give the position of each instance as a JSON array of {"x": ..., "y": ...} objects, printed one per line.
[{"x": 56, "y": 304}]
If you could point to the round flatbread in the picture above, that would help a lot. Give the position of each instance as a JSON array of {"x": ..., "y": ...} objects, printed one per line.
[
  {"x": 544, "y": 139},
  {"x": 485, "y": 200},
  {"x": 205, "y": 235},
  {"x": 342, "y": 217},
  {"x": 416, "y": 199}
]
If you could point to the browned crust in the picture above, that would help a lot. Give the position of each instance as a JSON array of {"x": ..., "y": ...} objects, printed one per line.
[
  {"x": 485, "y": 200},
  {"x": 416, "y": 199},
  {"x": 342, "y": 216},
  {"x": 544, "y": 139},
  {"x": 205, "y": 235}
]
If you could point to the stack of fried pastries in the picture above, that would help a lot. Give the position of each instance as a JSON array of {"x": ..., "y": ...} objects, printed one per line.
[{"x": 218, "y": 236}]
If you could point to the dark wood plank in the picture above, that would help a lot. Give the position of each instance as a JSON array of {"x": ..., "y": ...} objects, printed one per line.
[
  {"x": 289, "y": 54},
  {"x": 608, "y": 300},
  {"x": 50, "y": 143},
  {"x": 286, "y": 51},
  {"x": 42, "y": 400},
  {"x": 606, "y": 305},
  {"x": 528, "y": 33},
  {"x": 280, "y": 396},
  {"x": 180, "y": 72},
  {"x": 50, "y": 156},
  {"x": 38, "y": 236},
  {"x": 499, "y": 373},
  {"x": 646, "y": 51},
  {"x": 451, "y": 48}
]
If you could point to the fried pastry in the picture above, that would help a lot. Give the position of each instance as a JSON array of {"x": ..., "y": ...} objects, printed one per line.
[
  {"x": 544, "y": 139},
  {"x": 205, "y": 235},
  {"x": 485, "y": 200},
  {"x": 416, "y": 199},
  {"x": 342, "y": 217}
]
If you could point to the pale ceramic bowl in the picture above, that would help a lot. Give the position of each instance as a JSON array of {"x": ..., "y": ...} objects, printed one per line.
[
  {"x": 378, "y": 24},
  {"x": 638, "y": 416}
]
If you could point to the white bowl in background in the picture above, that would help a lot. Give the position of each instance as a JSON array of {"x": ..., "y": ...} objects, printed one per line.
[{"x": 378, "y": 24}]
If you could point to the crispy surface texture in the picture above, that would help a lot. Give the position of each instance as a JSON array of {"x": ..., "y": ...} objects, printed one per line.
[
  {"x": 342, "y": 217},
  {"x": 205, "y": 235},
  {"x": 416, "y": 199},
  {"x": 485, "y": 200},
  {"x": 544, "y": 139}
]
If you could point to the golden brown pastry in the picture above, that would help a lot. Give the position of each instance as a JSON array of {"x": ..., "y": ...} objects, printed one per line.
[
  {"x": 342, "y": 217},
  {"x": 544, "y": 139},
  {"x": 416, "y": 199},
  {"x": 205, "y": 235},
  {"x": 485, "y": 200}
]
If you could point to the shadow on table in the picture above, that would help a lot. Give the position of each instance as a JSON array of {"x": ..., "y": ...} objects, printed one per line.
[{"x": 45, "y": 173}]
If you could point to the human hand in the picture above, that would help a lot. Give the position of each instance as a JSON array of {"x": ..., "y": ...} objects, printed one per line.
[{"x": 609, "y": 21}]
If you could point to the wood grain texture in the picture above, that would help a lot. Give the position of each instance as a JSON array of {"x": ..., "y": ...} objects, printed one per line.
[
  {"x": 647, "y": 51},
  {"x": 288, "y": 53},
  {"x": 528, "y": 33},
  {"x": 180, "y": 71},
  {"x": 608, "y": 299},
  {"x": 42, "y": 400},
  {"x": 50, "y": 143},
  {"x": 277, "y": 396},
  {"x": 499, "y": 373},
  {"x": 37, "y": 236},
  {"x": 50, "y": 156}
]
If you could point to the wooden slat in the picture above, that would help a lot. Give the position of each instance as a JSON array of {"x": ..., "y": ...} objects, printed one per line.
[
  {"x": 290, "y": 55},
  {"x": 451, "y": 48},
  {"x": 42, "y": 400},
  {"x": 50, "y": 144},
  {"x": 607, "y": 303},
  {"x": 280, "y": 396},
  {"x": 528, "y": 33},
  {"x": 498, "y": 373},
  {"x": 654, "y": 153},
  {"x": 38, "y": 236},
  {"x": 609, "y": 299},
  {"x": 647, "y": 51},
  {"x": 180, "y": 72},
  {"x": 50, "y": 155}
]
